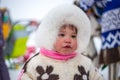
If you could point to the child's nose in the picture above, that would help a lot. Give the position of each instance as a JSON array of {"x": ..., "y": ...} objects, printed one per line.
[{"x": 67, "y": 40}]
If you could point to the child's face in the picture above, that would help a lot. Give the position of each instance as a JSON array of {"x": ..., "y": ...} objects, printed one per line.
[{"x": 67, "y": 40}]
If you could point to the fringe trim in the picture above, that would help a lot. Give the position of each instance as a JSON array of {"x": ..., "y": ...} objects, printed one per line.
[{"x": 109, "y": 56}]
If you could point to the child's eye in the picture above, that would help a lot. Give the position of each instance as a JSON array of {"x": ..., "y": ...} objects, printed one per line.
[
  {"x": 73, "y": 36},
  {"x": 61, "y": 35}
]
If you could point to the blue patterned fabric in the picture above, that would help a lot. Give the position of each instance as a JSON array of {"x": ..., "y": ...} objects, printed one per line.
[
  {"x": 111, "y": 28},
  {"x": 99, "y": 5},
  {"x": 110, "y": 23},
  {"x": 86, "y": 4},
  {"x": 111, "y": 39},
  {"x": 110, "y": 20},
  {"x": 108, "y": 13},
  {"x": 112, "y": 4}
]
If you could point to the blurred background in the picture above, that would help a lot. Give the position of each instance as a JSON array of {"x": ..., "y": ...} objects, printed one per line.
[{"x": 20, "y": 18}]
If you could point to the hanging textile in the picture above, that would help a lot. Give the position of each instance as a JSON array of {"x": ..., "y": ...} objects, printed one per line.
[
  {"x": 108, "y": 12},
  {"x": 110, "y": 23}
]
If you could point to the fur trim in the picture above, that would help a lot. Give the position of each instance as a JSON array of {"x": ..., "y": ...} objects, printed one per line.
[{"x": 58, "y": 16}]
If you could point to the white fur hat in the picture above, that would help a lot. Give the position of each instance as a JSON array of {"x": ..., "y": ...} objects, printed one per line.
[{"x": 46, "y": 33}]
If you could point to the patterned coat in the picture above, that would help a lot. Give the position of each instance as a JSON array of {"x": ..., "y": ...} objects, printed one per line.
[
  {"x": 110, "y": 23},
  {"x": 40, "y": 67},
  {"x": 109, "y": 12}
]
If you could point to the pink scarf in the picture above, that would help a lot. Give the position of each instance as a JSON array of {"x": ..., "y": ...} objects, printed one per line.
[{"x": 56, "y": 55}]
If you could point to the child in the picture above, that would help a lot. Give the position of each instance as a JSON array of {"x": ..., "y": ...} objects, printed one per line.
[{"x": 62, "y": 36}]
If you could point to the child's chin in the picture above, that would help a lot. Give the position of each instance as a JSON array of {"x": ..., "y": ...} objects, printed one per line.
[{"x": 66, "y": 53}]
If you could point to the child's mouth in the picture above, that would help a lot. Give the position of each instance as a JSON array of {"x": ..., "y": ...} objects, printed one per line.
[{"x": 67, "y": 46}]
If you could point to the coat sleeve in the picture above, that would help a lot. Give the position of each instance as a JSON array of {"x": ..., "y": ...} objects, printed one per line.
[
  {"x": 24, "y": 75},
  {"x": 27, "y": 72}
]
